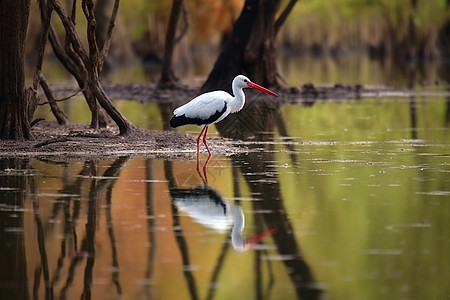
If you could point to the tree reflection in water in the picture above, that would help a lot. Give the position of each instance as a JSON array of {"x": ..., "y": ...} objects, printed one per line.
[
  {"x": 16, "y": 181},
  {"x": 259, "y": 120},
  {"x": 56, "y": 275},
  {"x": 150, "y": 228},
  {"x": 13, "y": 267}
]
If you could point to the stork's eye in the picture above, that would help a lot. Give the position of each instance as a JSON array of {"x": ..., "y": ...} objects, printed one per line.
[{"x": 245, "y": 80}]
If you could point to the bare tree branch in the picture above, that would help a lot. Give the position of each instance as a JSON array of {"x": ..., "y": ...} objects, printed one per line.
[
  {"x": 45, "y": 19},
  {"x": 105, "y": 50},
  {"x": 72, "y": 58},
  {"x": 53, "y": 98},
  {"x": 282, "y": 18},
  {"x": 88, "y": 10},
  {"x": 86, "y": 64},
  {"x": 71, "y": 32},
  {"x": 57, "y": 112},
  {"x": 67, "y": 61}
]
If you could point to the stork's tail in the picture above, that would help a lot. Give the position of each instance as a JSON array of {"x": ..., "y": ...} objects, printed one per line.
[{"x": 177, "y": 121}]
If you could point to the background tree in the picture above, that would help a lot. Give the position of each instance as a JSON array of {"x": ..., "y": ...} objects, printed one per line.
[
  {"x": 14, "y": 123},
  {"x": 251, "y": 46},
  {"x": 168, "y": 78}
]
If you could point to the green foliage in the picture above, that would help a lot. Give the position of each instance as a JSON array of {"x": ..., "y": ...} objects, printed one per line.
[
  {"x": 337, "y": 22},
  {"x": 136, "y": 15}
]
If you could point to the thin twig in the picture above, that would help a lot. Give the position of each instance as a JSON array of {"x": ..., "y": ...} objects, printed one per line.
[
  {"x": 59, "y": 139},
  {"x": 88, "y": 10},
  {"x": 46, "y": 12},
  {"x": 65, "y": 98},
  {"x": 35, "y": 121},
  {"x": 66, "y": 60},
  {"x": 108, "y": 37},
  {"x": 70, "y": 65},
  {"x": 72, "y": 52},
  {"x": 45, "y": 19},
  {"x": 71, "y": 32}
]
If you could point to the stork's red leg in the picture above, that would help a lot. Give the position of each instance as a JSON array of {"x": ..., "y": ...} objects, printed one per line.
[
  {"x": 198, "y": 140},
  {"x": 204, "y": 140}
]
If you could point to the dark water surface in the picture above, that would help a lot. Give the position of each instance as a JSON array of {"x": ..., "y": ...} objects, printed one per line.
[{"x": 348, "y": 200}]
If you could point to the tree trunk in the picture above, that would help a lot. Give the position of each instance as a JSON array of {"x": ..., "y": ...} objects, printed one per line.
[
  {"x": 168, "y": 78},
  {"x": 14, "y": 123},
  {"x": 250, "y": 48}
]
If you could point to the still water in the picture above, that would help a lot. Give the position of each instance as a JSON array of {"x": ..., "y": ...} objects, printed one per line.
[{"x": 348, "y": 200}]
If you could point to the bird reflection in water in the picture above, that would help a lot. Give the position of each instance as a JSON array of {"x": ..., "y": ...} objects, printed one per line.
[
  {"x": 208, "y": 207},
  {"x": 202, "y": 174}
]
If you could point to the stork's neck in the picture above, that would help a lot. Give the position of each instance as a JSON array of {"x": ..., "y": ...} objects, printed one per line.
[{"x": 238, "y": 101}]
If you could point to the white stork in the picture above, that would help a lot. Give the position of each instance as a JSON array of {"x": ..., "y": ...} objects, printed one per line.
[{"x": 213, "y": 107}]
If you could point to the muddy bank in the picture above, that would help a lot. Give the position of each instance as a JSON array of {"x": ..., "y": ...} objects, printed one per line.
[{"x": 78, "y": 141}]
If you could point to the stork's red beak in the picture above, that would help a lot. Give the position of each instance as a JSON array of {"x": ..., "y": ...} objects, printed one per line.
[{"x": 262, "y": 89}]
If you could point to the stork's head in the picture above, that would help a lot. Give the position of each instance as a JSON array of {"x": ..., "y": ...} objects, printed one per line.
[{"x": 242, "y": 82}]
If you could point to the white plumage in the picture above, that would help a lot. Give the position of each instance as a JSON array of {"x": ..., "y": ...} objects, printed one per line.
[{"x": 204, "y": 105}]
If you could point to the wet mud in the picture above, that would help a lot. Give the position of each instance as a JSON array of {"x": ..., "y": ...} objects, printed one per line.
[{"x": 79, "y": 141}]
